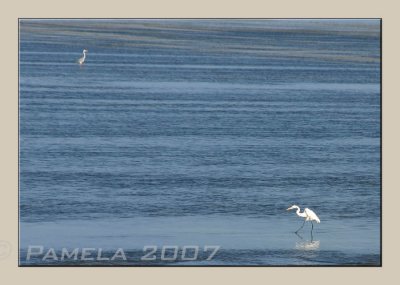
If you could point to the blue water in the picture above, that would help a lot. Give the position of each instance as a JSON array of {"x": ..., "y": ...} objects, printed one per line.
[{"x": 201, "y": 132}]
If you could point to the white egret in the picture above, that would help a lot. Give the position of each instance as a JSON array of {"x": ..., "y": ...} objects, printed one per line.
[
  {"x": 82, "y": 59},
  {"x": 308, "y": 214}
]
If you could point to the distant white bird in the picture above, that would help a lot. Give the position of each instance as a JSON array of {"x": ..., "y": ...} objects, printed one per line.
[
  {"x": 82, "y": 59},
  {"x": 308, "y": 214}
]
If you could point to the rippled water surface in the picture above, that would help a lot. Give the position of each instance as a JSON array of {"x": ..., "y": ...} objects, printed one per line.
[{"x": 201, "y": 132}]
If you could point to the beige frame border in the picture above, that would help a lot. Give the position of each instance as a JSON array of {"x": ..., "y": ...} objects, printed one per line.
[{"x": 10, "y": 13}]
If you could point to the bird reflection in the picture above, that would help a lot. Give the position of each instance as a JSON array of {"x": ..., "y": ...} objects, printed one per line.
[{"x": 307, "y": 244}]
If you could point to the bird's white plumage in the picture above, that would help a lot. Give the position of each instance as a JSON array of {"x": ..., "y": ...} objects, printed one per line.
[
  {"x": 307, "y": 213},
  {"x": 82, "y": 59},
  {"x": 311, "y": 216}
]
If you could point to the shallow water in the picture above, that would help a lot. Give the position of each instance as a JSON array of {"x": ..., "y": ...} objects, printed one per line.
[{"x": 189, "y": 132}]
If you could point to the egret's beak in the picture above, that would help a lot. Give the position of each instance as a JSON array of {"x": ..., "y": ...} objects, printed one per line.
[{"x": 288, "y": 209}]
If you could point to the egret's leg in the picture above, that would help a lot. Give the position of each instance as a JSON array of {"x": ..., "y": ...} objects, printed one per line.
[
  {"x": 301, "y": 226},
  {"x": 312, "y": 227},
  {"x": 299, "y": 236}
]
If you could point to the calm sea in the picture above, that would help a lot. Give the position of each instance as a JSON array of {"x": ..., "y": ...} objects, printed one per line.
[{"x": 200, "y": 133}]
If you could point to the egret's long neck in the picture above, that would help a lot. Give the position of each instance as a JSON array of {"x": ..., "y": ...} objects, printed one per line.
[
  {"x": 300, "y": 214},
  {"x": 84, "y": 55}
]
